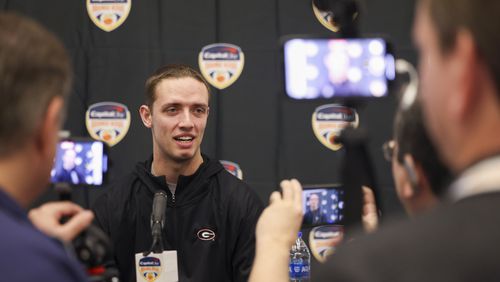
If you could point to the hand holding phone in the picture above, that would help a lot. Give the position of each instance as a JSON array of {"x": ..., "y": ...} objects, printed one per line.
[{"x": 47, "y": 219}]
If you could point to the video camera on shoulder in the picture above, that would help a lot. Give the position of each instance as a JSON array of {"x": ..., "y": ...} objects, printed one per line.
[{"x": 80, "y": 162}]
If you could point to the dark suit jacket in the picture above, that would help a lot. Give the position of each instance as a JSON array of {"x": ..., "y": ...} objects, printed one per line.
[
  {"x": 456, "y": 242},
  {"x": 314, "y": 217}
]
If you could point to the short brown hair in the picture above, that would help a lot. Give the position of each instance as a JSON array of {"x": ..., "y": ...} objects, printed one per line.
[
  {"x": 170, "y": 71},
  {"x": 479, "y": 17},
  {"x": 34, "y": 68}
]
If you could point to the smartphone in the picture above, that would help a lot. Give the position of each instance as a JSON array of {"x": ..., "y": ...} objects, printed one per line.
[
  {"x": 323, "y": 205},
  {"x": 316, "y": 68},
  {"x": 81, "y": 162}
]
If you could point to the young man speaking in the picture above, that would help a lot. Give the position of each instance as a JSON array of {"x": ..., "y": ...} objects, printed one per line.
[{"x": 210, "y": 216}]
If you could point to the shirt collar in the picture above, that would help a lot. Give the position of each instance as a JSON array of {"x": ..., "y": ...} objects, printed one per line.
[
  {"x": 483, "y": 177},
  {"x": 10, "y": 206}
]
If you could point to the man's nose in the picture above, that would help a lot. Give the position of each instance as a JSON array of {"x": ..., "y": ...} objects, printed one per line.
[{"x": 186, "y": 120}]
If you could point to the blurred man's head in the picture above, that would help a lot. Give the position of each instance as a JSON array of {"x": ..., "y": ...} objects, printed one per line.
[
  {"x": 313, "y": 202},
  {"x": 68, "y": 159},
  {"x": 419, "y": 175},
  {"x": 458, "y": 42},
  {"x": 34, "y": 80}
]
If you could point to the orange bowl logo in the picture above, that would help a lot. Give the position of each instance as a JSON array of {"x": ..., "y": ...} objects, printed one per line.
[
  {"x": 150, "y": 268},
  {"x": 221, "y": 64},
  {"x": 328, "y": 121},
  {"x": 324, "y": 239},
  {"x": 233, "y": 168},
  {"x": 108, "y": 122},
  {"x": 108, "y": 14}
]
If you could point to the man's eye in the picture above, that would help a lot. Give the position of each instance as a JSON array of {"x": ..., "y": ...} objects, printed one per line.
[
  {"x": 200, "y": 110},
  {"x": 171, "y": 110}
]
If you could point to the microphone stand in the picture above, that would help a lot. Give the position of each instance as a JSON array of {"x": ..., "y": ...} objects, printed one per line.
[
  {"x": 157, "y": 223},
  {"x": 357, "y": 170},
  {"x": 157, "y": 245}
]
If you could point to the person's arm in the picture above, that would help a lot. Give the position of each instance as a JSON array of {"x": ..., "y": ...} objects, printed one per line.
[
  {"x": 276, "y": 231},
  {"x": 370, "y": 214},
  {"x": 47, "y": 218}
]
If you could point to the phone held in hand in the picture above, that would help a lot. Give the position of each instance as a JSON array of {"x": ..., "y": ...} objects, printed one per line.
[
  {"x": 80, "y": 161},
  {"x": 344, "y": 68},
  {"x": 323, "y": 205}
]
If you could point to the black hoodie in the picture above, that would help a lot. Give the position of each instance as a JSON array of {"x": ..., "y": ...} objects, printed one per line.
[{"x": 211, "y": 199}]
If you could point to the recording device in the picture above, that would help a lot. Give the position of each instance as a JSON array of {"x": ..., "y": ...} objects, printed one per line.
[
  {"x": 147, "y": 263},
  {"x": 84, "y": 162},
  {"x": 316, "y": 68},
  {"x": 158, "y": 221},
  {"x": 323, "y": 205},
  {"x": 80, "y": 161},
  {"x": 92, "y": 247}
]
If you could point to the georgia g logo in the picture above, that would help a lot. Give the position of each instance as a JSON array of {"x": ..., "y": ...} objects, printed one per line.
[{"x": 206, "y": 234}]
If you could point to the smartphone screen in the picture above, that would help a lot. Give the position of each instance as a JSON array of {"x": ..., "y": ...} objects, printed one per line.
[
  {"x": 80, "y": 162},
  {"x": 322, "y": 205},
  {"x": 318, "y": 68}
]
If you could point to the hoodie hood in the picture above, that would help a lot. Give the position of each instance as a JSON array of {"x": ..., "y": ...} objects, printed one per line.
[{"x": 190, "y": 188}]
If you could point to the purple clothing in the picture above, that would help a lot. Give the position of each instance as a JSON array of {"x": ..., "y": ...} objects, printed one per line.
[{"x": 29, "y": 255}]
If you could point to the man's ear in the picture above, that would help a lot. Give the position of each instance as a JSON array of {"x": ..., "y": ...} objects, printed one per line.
[
  {"x": 412, "y": 187},
  {"x": 466, "y": 67},
  {"x": 46, "y": 136},
  {"x": 146, "y": 114}
]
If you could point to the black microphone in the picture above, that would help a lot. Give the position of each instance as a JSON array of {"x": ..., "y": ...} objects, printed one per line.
[{"x": 158, "y": 220}]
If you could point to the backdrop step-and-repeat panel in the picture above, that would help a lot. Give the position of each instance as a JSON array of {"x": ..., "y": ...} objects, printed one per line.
[{"x": 251, "y": 123}]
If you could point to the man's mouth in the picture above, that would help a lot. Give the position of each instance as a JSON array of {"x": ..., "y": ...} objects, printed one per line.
[{"x": 184, "y": 139}]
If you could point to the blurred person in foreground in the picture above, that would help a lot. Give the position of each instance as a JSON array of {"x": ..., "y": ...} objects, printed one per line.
[
  {"x": 420, "y": 177},
  {"x": 458, "y": 42},
  {"x": 35, "y": 78}
]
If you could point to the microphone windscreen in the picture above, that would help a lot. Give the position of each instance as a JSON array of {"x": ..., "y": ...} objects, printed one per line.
[{"x": 159, "y": 206}]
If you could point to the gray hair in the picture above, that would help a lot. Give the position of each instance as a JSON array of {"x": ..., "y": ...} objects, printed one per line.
[{"x": 34, "y": 69}]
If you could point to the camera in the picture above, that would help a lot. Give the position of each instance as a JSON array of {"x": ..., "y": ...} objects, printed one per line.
[
  {"x": 83, "y": 162},
  {"x": 345, "y": 68}
]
